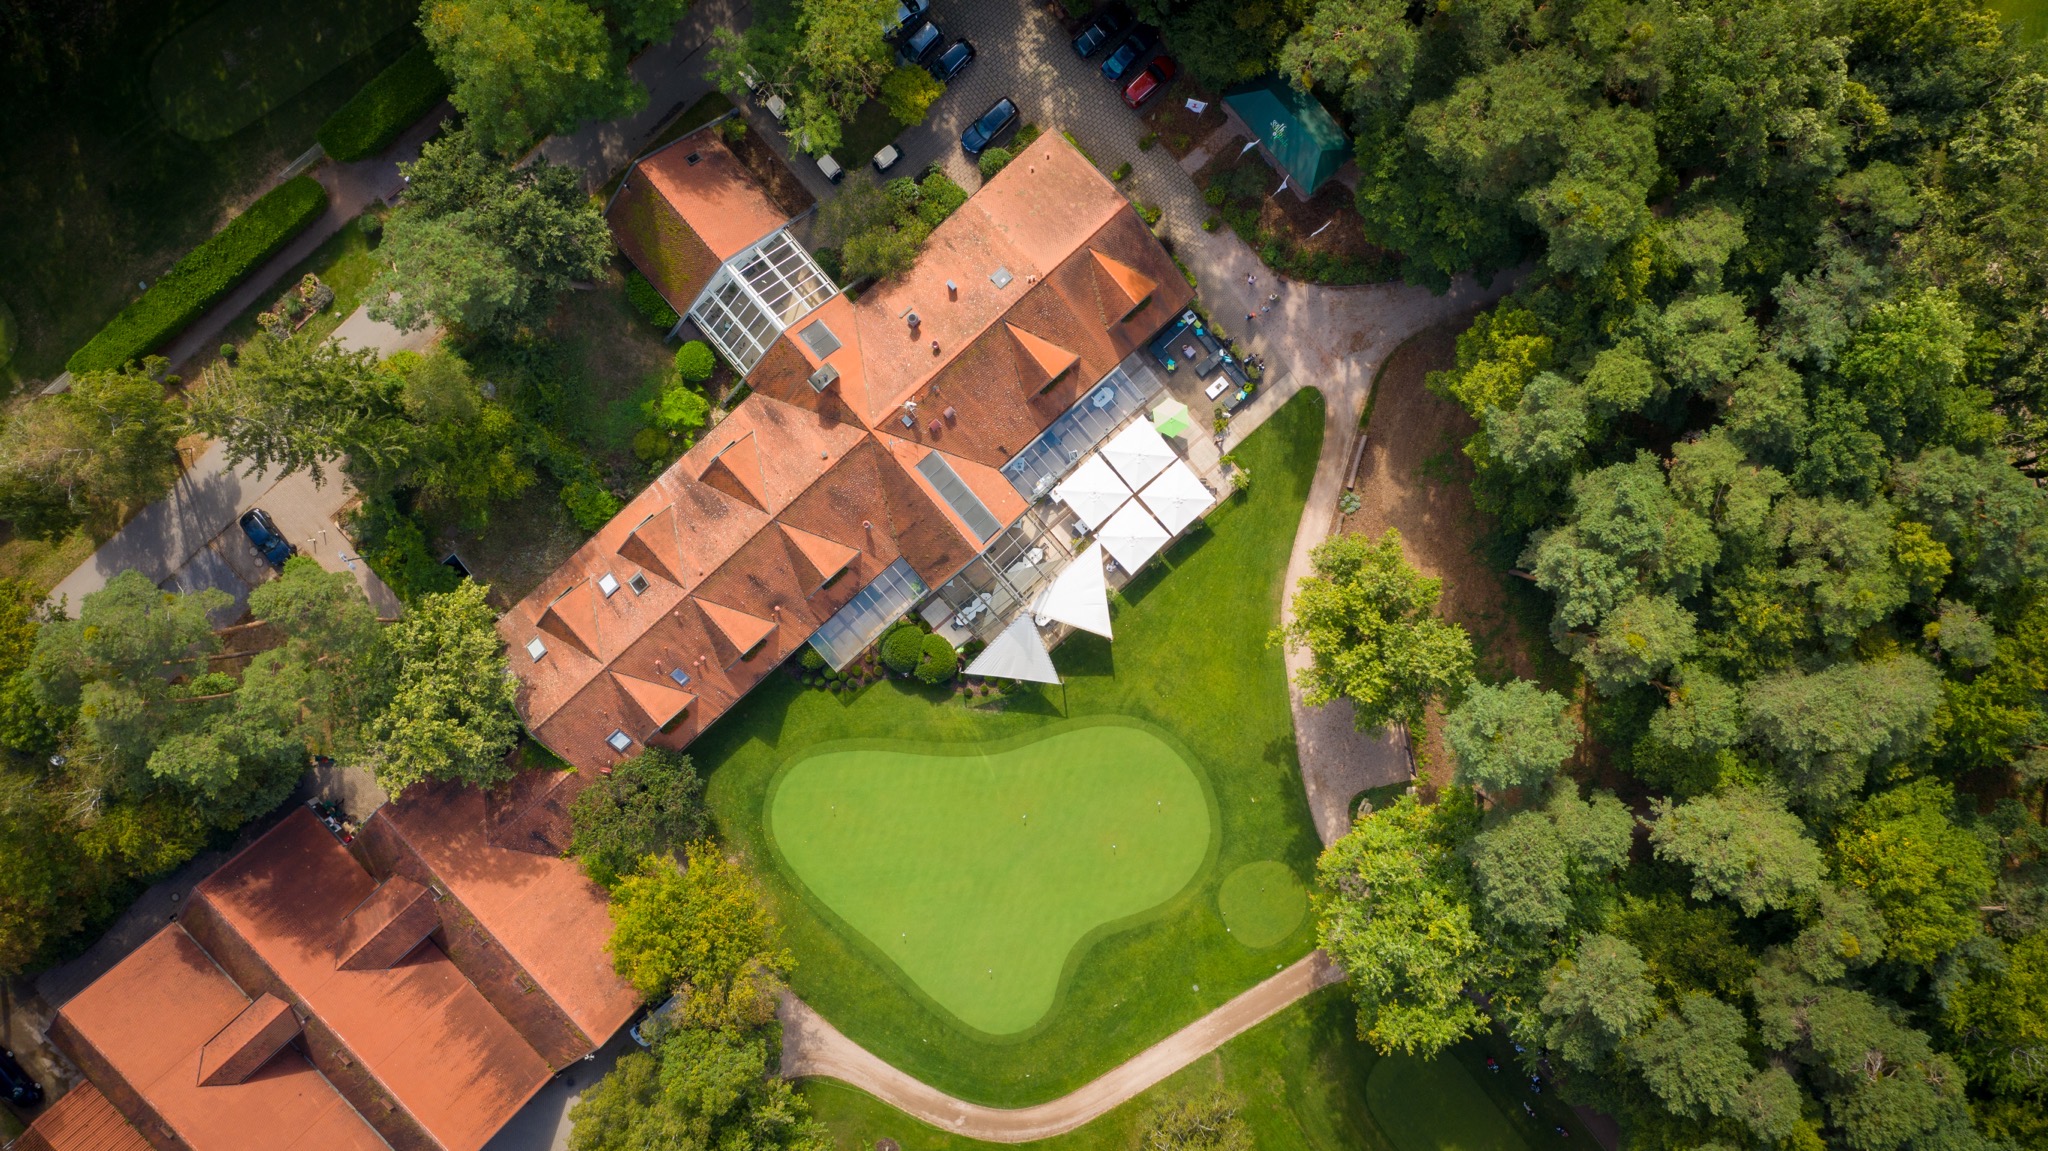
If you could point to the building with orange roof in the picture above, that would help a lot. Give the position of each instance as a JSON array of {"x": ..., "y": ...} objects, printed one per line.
[
  {"x": 895, "y": 451},
  {"x": 310, "y": 997}
]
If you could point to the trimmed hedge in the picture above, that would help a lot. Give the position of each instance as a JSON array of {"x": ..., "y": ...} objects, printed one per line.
[
  {"x": 646, "y": 300},
  {"x": 385, "y": 106},
  {"x": 207, "y": 273}
]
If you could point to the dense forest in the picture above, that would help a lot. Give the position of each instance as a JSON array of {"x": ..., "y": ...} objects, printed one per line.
[{"x": 1763, "y": 421}]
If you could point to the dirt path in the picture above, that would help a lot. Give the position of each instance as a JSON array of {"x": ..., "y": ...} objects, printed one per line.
[{"x": 813, "y": 1047}]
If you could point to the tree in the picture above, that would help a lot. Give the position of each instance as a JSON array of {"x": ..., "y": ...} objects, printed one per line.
[
  {"x": 1827, "y": 729},
  {"x": 523, "y": 69},
  {"x": 1992, "y": 519},
  {"x": 702, "y": 927},
  {"x": 1362, "y": 49},
  {"x": 1367, "y": 620},
  {"x": 1396, "y": 913},
  {"x": 908, "y": 93},
  {"x": 1513, "y": 735},
  {"x": 1195, "y": 1121},
  {"x": 1535, "y": 870},
  {"x": 1640, "y": 639},
  {"x": 1692, "y": 1057},
  {"x": 1997, "y": 1020},
  {"x": 299, "y": 405},
  {"x": 1923, "y": 874},
  {"x": 450, "y": 715},
  {"x": 109, "y": 442},
  {"x": 701, "y": 1088},
  {"x": 824, "y": 61},
  {"x": 1597, "y": 1000},
  {"x": 639, "y": 22},
  {"x": 1705, "y": 341},
  {"x": 1742, "y": 845},
  {"x": 445, "y": 269},
  {"x": 1548, "y": 429},
  {"x": 648, "y": 806}
]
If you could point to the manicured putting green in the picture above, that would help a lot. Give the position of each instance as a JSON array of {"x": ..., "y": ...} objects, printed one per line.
[
  {"x": 1435, "y": 1106},
  {"x": 1262, "y": 903},
  {"x": 977, "y": 869}
]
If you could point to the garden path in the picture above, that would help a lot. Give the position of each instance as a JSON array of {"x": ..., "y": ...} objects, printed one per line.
[{"x": 813, "y": 1047}]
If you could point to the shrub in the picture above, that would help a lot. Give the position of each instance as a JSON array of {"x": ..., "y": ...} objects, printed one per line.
[
  {"x": 589, "y": 505},
  {"x": 733, "y": 129},
  {"x": 1118, "y": 174},
  {"x": 396, "y": 549},
  {"x": 937, "y": 660},
  {"x": 811, "y": 659},
  {"x": 1146, "y": 141},
  {"x": 1209, "y": 225},
  {"x": 903, "y": 648},
  {"x": 694, "y": 362},
  {"x": 646, "y": 300},
  {"x": 679, "y": 409},
  {"x": 650, "y": 446},
  {"x": 1149, "y": 213},
  {"x": 1025, "y": 136},
  {"x": 908, "y": 94},
  {"x": 1214, "y": 195},
  {"x": 371, "y": 225},
  {"x": 207, "y": 273},
  {"x": 387, "y": 105},
  {"x": 938, "y": 198},
  {"x": 993, "y": 160}
]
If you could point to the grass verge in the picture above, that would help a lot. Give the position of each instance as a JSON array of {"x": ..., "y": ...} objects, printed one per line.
[{"x": 1191, "y": 657}]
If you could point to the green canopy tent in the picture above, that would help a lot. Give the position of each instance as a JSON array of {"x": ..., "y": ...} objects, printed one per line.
[
  {"x": 1170, "y": 418},
  {"x": 1297, "y": 133}
]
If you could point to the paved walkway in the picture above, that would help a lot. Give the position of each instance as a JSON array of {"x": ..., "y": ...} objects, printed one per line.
[{"x": 813, "y": 1047}]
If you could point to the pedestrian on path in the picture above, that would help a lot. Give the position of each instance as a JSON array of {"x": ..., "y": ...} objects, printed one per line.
[{"x": 1249, "y": 281}]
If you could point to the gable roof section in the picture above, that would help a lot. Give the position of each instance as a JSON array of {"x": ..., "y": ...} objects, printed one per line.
[
  {"x": 385, "y": 927},
  {"x": 1050, "y": 357},
  {"x": 247, "y": 1044},
  {"x": 1134, "y": 287},
  {"x": 427, "y": 1035},
  {"x": 147, "y": 1019},
  {"x": 826, "y": 557},
  {"x": 711, "y": 192},
  {"x": 654, "y": 236},
  {"x": 82, "y": 1120},
  {"x": 661, "y": 701},
  {"x": 736, "y": 471},
  {"x": 745, "y": 632}
]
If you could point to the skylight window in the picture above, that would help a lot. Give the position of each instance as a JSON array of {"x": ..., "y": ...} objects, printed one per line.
[
  {"x": 959, "y": 496},
  {"x": 681, "y": 677},
  {"x": 638, "y": 583},
  {"x": 619, "y": 741},
  {"x": 608, "y": 584},
  {"x": 819, "y": 339},
  {"x": 536, "y": 649}
]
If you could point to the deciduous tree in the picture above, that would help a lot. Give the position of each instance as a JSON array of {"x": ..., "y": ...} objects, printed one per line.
[
  {"x": 650, "y": 805},
  {"x": 1512, "y": 735},
  {"x": 450, "y": 715},
  {"x": 523, "y": 69},
  {"x": 1741, "y": 844}
]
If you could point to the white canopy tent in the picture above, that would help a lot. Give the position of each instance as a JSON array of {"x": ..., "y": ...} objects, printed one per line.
[
  {"x": 1138, "y": 453},
  {"x": 1132, "y": 536},
  {"x": 1078, "y": 596},
  {"x": 1178, "y": 497},
  {"x": 1093, "y": 491},
  {"x": 1017, "y": 653}
]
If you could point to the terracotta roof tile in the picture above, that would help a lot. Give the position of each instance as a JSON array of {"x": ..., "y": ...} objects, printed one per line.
[
  {"x": 149, "y": 1016},
  {"x": 736, "y": 471},
  {"x": 245, "y": 1045},
  {"x": 385, "y": 927},
  {"x": 1134, "y": 287},
  {"x": 82, "y": 1120},
  {"x": 661, "y": 701},
  {"x": 827, "y": 557},
  {"x": 713, "y": 193},
  {"x": 1051, "y": 359}
]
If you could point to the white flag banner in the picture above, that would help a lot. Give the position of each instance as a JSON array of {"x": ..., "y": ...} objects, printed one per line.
[
  {"x": 1283, "y": 184},
  {"x": 1247, "y": 147},
  {"x": 1197, "y": 106}
]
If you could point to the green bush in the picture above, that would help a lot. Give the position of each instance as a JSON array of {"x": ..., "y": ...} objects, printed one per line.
[
  {"x": 1122, "y": 170},
  {"x": 589, "y": 505},
  {"x": 646, "y": 300},
  {"x": 396, "y": 549},
  {"x": 938, "y": 198},
  {"x": 207, "y": 273},
  {"x": 694, "y": 362},
  {"x": 811, "y": 659},
  {"x": 679, "y": 409},
  {"x": 993, "y": 160},
  {"x": 385, "y": 106},
  {"x": 650, "y": 446},
  {"x": 903, "y": 648},
  {"x": 908, "y": 94},
  {"x": 1025, "y": 136},
  {"x": 938, "y": 661}
]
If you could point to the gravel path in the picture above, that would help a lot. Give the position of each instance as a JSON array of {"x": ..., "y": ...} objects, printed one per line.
[{"x": 813, "y": 1047}]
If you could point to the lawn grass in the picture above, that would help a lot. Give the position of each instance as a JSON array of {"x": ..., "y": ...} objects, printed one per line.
[
  {"x": 100, "y": 191},
  {"x": 229, "y": 68},
  {"x": 1191, "y": 657},
  {"x": 1457, "y": 1116},
  {"x": 2030, "y": 15},
  {"x": 45, "y": 562},
  {"x": 1302, "y": 1080},
  {"x": 977, "y": 869},
  {"x": 1262, "y": 903},
  {"x": 870, "y": 129},
  {"x": 346, "y": 262}
]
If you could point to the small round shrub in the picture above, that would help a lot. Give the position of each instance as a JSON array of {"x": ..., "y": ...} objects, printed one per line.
[
  {"x": 649, "y": 445},
  {"x": 589, "y": 505},
  {"x": 992, "y": 161},
  {"x": 811, "y": 659},
  {"x": 902, "y": 648},
  {"x": 836, "y": 687},
  {"x": 938, "y": 661},
  {"x": 372, "y": 226},
  {"x": 694, "y": 362}
]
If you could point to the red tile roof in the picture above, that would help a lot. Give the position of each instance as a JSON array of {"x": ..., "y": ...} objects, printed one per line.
[
  {"x": 81, "y": 1121},
  {"x": 420, "y": 1028},
  {"x": 713, "y": 193},
  {"x": 147, "y": 1020},
  {"x": 248, "y": 1043}
]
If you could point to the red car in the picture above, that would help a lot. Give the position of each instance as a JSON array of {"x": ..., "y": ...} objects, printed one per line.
[{"x": 1151, "y": 80}]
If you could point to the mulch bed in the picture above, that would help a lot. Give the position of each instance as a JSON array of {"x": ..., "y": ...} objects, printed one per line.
[
  {"x": 784, "y": 190},
  {"x": 1181, "y": 131},
  {"x": 1288, "y": 232}
]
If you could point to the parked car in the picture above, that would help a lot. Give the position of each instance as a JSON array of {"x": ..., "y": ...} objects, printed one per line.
[
  {"x": 1100, "y": 31},
  {"x": 921, "y": 44},
  {"x": 16, "y": 1084},
  {"x": 953, "y": 60},
  {"x": 270, "y": 542},
  {"x": 988, "y": 126},
  {"x": 1150, "y": 81},
  {"x": 831, "y": 168},
  {"x": 907, "y": 11},
  {"x": 1128, "y": 53},
  {"x": 656, "y": 1018}
]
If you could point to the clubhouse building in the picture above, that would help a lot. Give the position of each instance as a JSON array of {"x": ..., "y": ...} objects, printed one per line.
[{"x": 897, "y": 452}]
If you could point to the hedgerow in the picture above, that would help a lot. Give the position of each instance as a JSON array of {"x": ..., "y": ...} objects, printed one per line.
[
  {"x": 207, "y": 273},
  {"x": 387, "y": 105}
]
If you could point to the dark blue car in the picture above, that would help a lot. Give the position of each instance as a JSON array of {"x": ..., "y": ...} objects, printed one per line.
[
  {"x": 1100, "y": 31},
  {"x": 922, "y": 42},
  {"x": 262, "y": 532},
  {"x": 1128, "y": 53},
  {"x": 991, "y": 124},
  {"x": 952, "y": 60}
]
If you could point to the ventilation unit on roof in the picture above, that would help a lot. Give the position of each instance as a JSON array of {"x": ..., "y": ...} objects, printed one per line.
[
  {"x": 693, "y": 157},
  {"x": 1001, "y": 277},
  {"x": 824, "y": 377}
]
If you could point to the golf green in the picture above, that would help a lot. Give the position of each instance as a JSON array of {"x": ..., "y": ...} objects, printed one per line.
[
  {"x": 1262, "y": 903},
  {"x": 1434, "y": 1105},
  {"x": 978, "y": 869}
]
